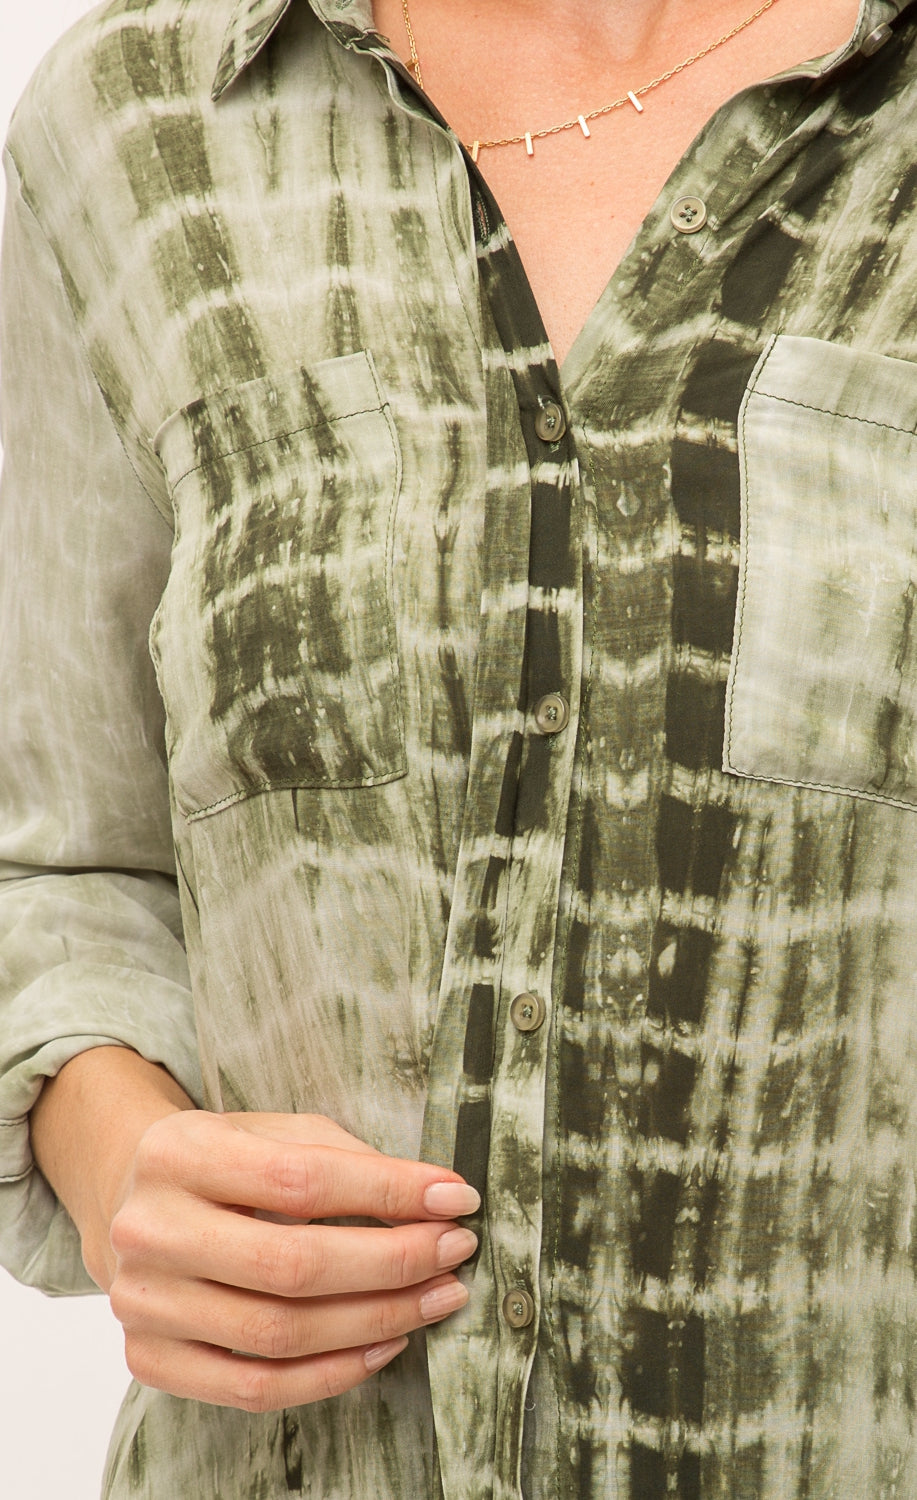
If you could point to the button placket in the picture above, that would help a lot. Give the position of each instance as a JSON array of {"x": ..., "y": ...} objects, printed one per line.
[
  {"x": 478, "y": 1365},
  {"x": 527, "y": 1012},
  {"x": 522, "y": 1050},
  {"x": 551, "y": 713},
  {"x": 550, "y": 422},
  {"x": 515, "y": 1183},
  {"x": 688, "y": 215},
  {"x": 876, "y": 40},
  {"x": 519, "y": 1308},
  {"x": 528, "y": 861}
]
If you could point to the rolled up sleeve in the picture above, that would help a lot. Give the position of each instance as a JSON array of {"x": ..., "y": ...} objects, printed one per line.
[{"x": 91, "y": 947}]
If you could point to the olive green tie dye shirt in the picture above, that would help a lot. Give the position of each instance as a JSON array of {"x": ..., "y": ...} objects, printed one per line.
[{"x": 518, "y": 766}]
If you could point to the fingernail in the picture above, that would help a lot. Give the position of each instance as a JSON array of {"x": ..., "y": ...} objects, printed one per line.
[
  {"x": 452, "y": 1199},
  {"x": 380, "y": 1354},
  {"x": 442, "y": 1299},
  {"x": 455, "y": 1245}
]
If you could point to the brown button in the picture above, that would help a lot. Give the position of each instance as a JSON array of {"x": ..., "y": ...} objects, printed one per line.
[
  {"x": 527, "y": 1012},
  {"x": 875, "y": 40},
  {"x": 552, "y": 713},
  {"x": 518, "y": 1308},
  {"x": 550, "y": 423},
  {"x": 689, "y": 215}
]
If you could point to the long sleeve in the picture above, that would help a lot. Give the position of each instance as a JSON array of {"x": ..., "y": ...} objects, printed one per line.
[{"x": 91, "y": 944}]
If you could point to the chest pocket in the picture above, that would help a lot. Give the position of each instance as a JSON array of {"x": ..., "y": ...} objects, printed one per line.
[
  {"x": 823, "y": 681},
  {"x": 274, "y": 641}
]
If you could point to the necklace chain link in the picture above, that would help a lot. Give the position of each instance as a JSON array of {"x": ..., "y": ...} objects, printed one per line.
[{"x": 633, "y": 96}]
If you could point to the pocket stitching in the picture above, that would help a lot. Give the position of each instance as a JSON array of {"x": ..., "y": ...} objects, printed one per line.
[
  {"x": 824, "y": 786},
  {"x": 390, "y": 632},
  {"x": 382, "y": 407},
  {"x": 825, "y": 411},
  {"x": 744, "y": 552},
  {"x": 263, "y": 442},
  {"x": 257, "y": 789},
  {"x": 745, "y": 549}
]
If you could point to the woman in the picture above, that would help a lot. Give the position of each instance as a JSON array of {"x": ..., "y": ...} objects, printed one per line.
[{"x": 539, "y": 741}]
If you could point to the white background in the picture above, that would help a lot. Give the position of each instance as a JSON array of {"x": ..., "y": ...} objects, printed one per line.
[{"x": 62, "y": 1371}]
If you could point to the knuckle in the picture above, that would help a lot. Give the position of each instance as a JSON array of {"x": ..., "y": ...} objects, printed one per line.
[
  {"x": 270, "y": 1333},
  {"x": 256, "y": 1390},
  {"x": 402, "y": 1262},
  {"x": 386, "y": 1321},
  {"x": 156, "y": 1150},
  {"x": 122, "y": 1302},
  {"x": 288, "y": 1262},
  {"x": 333, "y": 1378},
  {"x": 171, "y": 1148},
  {"x": 128, "y": 1233},
  {"x": 397, "y": 1198},
  {"x": 294, "y": 1179}
]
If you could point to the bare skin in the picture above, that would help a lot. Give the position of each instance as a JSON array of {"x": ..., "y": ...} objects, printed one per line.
[
  {"x": 172, "y": 1203},
  {"x": 169, "y": 1203},
  {"x": 513, "y": 65}
]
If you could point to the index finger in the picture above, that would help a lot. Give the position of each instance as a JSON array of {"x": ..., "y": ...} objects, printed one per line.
[{"x": 306, "y": 1179}]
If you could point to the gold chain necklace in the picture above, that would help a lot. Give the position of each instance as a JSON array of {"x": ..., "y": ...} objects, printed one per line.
[{"x": 633, "y": 96}]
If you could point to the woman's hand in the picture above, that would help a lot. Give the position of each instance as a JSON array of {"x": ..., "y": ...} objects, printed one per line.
[{"x": 224, "y": 1299}]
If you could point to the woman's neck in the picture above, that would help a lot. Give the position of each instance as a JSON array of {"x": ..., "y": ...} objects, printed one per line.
[{"x": 500, "y": 68}]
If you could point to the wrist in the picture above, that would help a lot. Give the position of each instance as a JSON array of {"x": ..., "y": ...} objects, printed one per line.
[{"x": 85, "y": 1129}]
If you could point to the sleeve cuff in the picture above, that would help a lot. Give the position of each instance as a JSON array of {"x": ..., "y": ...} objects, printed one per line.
[{"x": 39, "y": 1243}]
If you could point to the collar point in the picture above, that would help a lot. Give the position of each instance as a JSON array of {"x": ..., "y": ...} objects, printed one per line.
[{"x": 251, "y": 24}]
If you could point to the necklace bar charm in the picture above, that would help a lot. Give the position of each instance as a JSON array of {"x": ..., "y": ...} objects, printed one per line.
[{"x": 632, "y": 96}]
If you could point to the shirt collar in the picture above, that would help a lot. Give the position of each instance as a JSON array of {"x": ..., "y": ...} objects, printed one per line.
[{"x": 252, "y": 22}]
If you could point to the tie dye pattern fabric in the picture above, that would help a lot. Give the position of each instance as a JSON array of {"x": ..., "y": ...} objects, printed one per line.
[{"x": 517, "y": 765}]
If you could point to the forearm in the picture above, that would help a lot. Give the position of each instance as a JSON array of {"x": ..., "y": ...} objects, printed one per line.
[{"x": 85, "y": 1128}]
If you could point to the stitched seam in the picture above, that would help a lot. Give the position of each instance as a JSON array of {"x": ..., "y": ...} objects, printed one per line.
[
  {"x": 499, "y": 972},
  {"x": 380, "y": 394},
  {"x": 294, "y": 782},
  {"x": 287, "y": 432},
  {"x": 826, "y": 411},
  {"x": 745, "y": 546},
  {"x": 744, "y": 554},
  {"x": 827, "y": 786},
  {"x": 390, "y": 633},
  {"x": 589, "y": 519}
]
